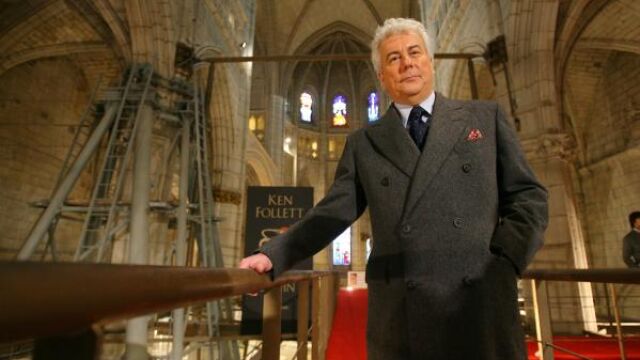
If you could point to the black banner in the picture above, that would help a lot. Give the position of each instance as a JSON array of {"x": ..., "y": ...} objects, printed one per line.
[{"x": 270, "y": 211}]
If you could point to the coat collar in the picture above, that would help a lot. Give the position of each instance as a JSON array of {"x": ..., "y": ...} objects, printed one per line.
[{"x": 392, "y": 140}]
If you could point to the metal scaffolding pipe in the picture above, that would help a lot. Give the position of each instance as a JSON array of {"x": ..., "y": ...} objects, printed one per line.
[
  {"x": 61, "y": 193},
  {"x": 136, "y": 338},
  {"x": 181, "y": 239}
]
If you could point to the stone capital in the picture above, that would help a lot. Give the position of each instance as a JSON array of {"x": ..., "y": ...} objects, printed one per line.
[
  {"x": 227, "y": 197},
  {"x": 551, "y": 145}
]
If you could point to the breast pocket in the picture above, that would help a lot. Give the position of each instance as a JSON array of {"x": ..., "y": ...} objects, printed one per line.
[{"x": 472, "y": 139}]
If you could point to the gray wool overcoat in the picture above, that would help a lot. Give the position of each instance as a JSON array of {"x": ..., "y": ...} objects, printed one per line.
[{"x": 453, "y": 226}]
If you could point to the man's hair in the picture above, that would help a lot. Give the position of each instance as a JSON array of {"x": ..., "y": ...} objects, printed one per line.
[
  {"x": 633, "y": 217},
  {"x": 394, "y": 26}
]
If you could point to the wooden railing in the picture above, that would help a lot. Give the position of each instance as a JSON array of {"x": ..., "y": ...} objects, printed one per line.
[
  {"x": 542, "y": 313},
  {"x": 43, "y": 299},
  {"x": 38, "y": 299}
]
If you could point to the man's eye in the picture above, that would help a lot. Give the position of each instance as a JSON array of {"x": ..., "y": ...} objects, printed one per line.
[{"x": 393, "y": 58}]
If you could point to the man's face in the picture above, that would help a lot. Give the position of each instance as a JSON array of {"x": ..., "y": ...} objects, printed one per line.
[
  {"x": 406, "y": 70},
  {"x": 636, "y": 223}
]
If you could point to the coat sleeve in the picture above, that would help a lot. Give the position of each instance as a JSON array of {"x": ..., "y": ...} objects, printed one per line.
[
  {"x": 343, "y": 204},
  {"x": 523, "y": 212}
]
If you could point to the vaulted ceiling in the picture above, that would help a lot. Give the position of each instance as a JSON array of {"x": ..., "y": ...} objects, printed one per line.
[{"x": 283, "y": 26}]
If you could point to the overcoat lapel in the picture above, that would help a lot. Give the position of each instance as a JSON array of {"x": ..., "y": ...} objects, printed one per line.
[
  {"x": 392, "y": 140},
  {"x": 445, "y": 129}
]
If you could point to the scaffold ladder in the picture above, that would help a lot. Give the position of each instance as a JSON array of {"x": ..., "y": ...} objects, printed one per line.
[
  {"x": 100, "y": 219},
  {"x": 203, "y": 220}
]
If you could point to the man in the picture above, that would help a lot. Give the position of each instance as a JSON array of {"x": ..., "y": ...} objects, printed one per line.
[
  {"x": 631, "y": 242},
  {"x": 456, "y": 215}
]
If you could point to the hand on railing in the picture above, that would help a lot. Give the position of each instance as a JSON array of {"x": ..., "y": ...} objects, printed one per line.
[{"x": 259, "y": 263}]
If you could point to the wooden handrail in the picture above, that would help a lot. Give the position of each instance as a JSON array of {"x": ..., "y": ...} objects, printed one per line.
[
  {"x": 40, "y": 299},
  {"x": 614, "y": 276},
  {"x": 540, "y": 295}
]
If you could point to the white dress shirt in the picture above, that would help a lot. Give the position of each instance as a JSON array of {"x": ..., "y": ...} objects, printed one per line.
[{"x": 404, "y": 110}]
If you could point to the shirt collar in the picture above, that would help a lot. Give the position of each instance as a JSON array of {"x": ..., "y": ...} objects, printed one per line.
[{"x": 426, "y": 104}]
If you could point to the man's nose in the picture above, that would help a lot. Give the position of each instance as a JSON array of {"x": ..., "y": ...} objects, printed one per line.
[{"x": 407, "y": 61}]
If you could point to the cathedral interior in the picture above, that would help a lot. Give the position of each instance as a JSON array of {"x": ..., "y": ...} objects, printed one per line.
[{"x": 95, "y": 95}]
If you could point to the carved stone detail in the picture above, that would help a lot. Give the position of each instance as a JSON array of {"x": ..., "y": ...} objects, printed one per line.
[
  {"x": 548, "y": 146},
  {"x": 227, "y": 197}
]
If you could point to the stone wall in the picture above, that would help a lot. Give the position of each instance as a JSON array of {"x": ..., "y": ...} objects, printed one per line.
[{"x": 41, "y": 103}]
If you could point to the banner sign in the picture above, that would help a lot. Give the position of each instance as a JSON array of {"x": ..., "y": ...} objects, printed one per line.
[{"x": 270, "y": 211}]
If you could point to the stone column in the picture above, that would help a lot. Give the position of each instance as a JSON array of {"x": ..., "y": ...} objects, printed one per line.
[
  {"x": 275, "y": 117},
  {"x": 552, "y": 156},
  {"x": 229, "y": 109}
]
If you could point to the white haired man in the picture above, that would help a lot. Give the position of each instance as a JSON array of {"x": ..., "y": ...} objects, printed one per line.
[{"x": 456, "y": 215}]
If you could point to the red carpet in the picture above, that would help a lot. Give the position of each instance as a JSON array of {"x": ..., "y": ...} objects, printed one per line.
[{"x": 347, "y": 339}]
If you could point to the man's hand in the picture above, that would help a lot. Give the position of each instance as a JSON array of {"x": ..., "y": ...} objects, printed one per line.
[{"x": 259, "y": 263}]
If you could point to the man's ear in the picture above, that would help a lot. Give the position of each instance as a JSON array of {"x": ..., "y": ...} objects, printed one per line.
[{"x": 381, "y": 78}]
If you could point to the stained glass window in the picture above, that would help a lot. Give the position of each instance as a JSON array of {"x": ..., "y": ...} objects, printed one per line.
[
  {"x": 373, "y": 106},
  {"x": 342, "y": 248},
  {"x": 306, "y": 110},
  {"x": 339, "y": 111}
]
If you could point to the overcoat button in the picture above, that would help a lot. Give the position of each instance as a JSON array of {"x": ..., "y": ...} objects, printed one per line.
[
  {"x": 406, "y": 228},
  {"x": 467, "y": 280},
  {"x": 384, "y": 181},
  {"x": 411, "y": 285},
  {"x": 457, "y": 222},
  {"x": 466, "y": 168}
]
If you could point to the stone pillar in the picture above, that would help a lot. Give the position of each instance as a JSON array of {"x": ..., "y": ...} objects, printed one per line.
[
  {"x": 552, "y": 157},
  {"x": 275, "y": 117},
  {"x": 229, "y": 109}
]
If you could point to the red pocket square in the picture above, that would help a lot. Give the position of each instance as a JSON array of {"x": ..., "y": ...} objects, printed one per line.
[{"x": 474, "y": 135}]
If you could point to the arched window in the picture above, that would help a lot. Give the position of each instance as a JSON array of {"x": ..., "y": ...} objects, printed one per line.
[
  {"x": 373, "y": 106},
  {"x": 339, "y": 111},
  {"x": 306, "y": 107},
  {"x": 342, "y": 249},
  {"x": 256, "y": 126}
]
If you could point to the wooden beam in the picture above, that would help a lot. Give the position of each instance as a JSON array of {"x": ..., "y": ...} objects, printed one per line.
[{"x": 318, "y": 58}]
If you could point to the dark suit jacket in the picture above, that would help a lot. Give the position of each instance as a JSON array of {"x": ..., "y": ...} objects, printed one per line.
[
  {"x": 631, "y": 249},
  {"x": 452, "y": 226}
]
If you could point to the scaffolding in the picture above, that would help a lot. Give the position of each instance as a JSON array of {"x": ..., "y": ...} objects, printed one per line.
[{"x": 108, "y": 144}]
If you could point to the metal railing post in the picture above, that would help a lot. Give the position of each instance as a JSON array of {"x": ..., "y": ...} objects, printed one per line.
[
  {"x": 543, "y": 318},
  {"x": 303, "y": 319},
  {"x": 616, "y": 313},
  {"x": 271, "y": 323}
]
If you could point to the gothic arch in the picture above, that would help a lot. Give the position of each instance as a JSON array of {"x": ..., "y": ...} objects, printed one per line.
[
  {"x": 317, "y": 38},
  {"x": 260, "y": 163}
]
